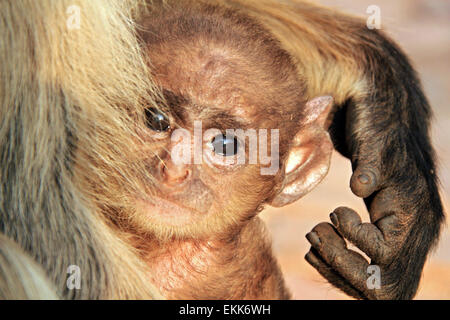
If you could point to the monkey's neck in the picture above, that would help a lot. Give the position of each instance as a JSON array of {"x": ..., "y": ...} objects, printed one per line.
[{"x": 239, "y": 268}]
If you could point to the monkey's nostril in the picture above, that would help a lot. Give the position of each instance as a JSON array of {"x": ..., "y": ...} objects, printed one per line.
[{"x": 174, "y": 174}]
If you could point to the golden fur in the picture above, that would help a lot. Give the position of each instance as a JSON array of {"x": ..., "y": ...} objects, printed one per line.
[{"x": 72, "y": 96}]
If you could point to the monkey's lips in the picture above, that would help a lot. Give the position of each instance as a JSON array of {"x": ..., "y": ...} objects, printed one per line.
[{"x": 169, "y": 212}]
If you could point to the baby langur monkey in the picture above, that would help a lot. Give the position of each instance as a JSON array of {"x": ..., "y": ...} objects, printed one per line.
[{"x": 200, "y": 232}]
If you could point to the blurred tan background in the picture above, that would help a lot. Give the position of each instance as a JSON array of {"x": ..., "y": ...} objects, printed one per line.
[{"x": 422, "y": 28}]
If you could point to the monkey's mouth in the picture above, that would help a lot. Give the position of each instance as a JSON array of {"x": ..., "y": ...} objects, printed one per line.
[{"x": 170, "y": 212}]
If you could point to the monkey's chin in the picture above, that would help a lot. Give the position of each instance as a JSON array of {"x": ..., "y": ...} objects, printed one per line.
[{"x": 169, "y": 213}]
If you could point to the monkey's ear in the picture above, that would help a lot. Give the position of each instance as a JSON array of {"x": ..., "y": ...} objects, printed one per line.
[{"x": 309, "y": 156}]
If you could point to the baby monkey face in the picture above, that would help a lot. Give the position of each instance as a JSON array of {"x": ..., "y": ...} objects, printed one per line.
[
  {"x": 230, "y": 121},
  {"x": 211, "y": 168}
]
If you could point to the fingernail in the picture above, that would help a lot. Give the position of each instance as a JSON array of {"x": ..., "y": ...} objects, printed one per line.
[
  {"x": 313, "y": 238},
  {"x": 334, "y": 219},
  {"x": 364, "y": 178}
]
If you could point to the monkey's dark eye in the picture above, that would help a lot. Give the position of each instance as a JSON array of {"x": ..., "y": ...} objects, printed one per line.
[
  {"x": 225, "y": 146},
  {"x": 156, "y": 120}
]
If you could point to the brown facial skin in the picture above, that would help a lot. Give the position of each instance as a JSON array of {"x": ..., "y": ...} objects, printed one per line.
[{"x": 200, "y": 231}]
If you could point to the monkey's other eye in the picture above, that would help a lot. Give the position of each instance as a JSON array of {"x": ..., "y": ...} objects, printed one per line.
[
  {"x": 225, "y": 146},
  {"x": 156, "y": 120}
]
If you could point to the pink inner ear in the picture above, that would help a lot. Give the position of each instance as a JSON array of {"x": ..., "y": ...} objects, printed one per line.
[
  {"x": 297, "y": 158},
  {"x": 317, "y": 109}
]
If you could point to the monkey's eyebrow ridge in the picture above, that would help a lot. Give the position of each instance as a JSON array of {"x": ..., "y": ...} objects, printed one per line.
[{"x": 211, "y": 117}]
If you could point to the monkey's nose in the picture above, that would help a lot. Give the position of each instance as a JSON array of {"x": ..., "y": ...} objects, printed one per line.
[{"x": 174, "y": 174}]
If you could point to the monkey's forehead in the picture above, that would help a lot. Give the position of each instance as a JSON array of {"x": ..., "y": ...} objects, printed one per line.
[{"x": 222, "y": 78}]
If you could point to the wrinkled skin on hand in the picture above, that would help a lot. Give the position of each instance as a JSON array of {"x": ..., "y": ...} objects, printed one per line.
[
  {"x": 344, "y": 267},
  {"x": 401, "y": 195},
  {"x": 381, "y": 240}
]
